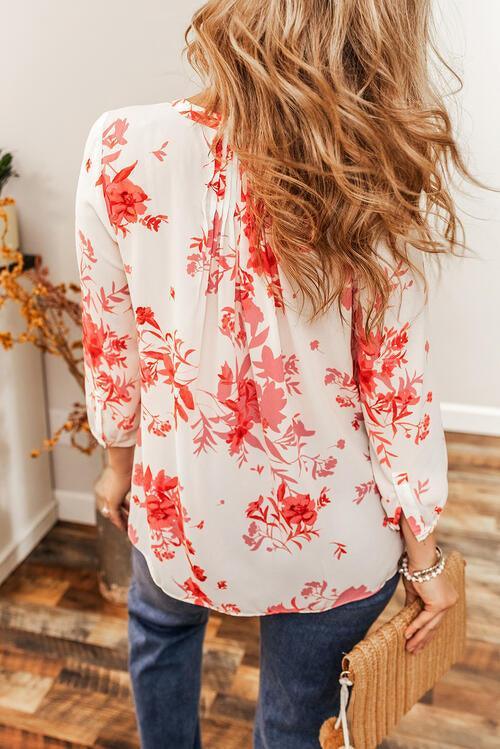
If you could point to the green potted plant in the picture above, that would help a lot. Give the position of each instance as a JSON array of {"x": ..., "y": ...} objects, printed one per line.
[{"x": 9, "y": 235}]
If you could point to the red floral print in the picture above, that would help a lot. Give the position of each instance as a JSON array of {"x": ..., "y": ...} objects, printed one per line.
[
  {"x": 194, "y": 594},
  {"x": 362, "y": 490},
  {"x": 160, "y": 153},
  {"x": 389, "y": 390},
  {"x": 125, "y": 201},
  {"x": 105, "y": 351},
  {"x": 114, "y": 134},
  {"x": 285, "y": 521},
  {"x": 164, "y": 360},
  {"x": 166, "y": 517},
  {"x": 317, "y": 597},
  {"x": 263, "y": 442}
]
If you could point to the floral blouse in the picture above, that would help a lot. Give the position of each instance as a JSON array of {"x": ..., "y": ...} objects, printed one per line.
[{"x": 273, "y": 456}]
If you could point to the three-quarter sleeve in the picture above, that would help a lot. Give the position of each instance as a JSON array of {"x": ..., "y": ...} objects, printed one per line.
[
  {"x": 111, "y": 362},
  {"x": 401, "y": 413}
]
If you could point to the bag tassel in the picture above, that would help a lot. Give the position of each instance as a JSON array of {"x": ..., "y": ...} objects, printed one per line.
[
  {"x": 345, "y": 683},
  {"x": 331, "y": 737}
]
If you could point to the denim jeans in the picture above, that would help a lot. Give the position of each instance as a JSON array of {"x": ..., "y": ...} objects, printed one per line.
[{"x": 300, "y": 662}]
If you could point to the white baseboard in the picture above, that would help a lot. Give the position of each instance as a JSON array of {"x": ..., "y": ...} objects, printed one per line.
[
  {"x": 458, "y": 417},
  {"x": 76, "y": 507},
  {"x": 18, "y": 549}
]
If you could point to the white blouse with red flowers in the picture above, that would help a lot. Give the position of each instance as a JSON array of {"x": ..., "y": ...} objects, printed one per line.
[{"x": 273, "y": 456}]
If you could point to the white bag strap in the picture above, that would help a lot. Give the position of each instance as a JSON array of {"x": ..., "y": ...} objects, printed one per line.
[{"x": 345, "y": 683}]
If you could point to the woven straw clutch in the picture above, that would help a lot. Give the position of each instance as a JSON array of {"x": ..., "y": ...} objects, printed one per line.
[{"x": 386, "y": 679}]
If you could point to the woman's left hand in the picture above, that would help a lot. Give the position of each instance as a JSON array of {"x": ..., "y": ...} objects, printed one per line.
[
  {"x": 111, "y": 489},
  {"x": 438, "y": 595}
]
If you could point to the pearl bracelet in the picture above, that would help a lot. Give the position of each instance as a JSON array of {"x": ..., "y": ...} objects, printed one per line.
[{"x": 422, "y": 576}]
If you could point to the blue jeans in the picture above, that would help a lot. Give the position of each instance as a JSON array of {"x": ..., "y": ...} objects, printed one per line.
[{"x": 300, "y": 662}]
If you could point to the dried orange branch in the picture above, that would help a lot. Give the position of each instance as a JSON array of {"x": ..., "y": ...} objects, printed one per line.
[{"x": 52, "y": 317}]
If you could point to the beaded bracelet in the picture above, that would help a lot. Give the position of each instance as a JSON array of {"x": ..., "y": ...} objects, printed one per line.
[{"x": 422, "y": 576}]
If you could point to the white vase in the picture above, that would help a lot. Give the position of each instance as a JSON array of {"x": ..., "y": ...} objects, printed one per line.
[{"x": 9, "y": 233}]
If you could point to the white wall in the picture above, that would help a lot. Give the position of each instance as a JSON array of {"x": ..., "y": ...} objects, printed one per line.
[
  {"x": 62, "y": 64},
  {"x": 466, "y": 305},
  {"x": 27, "y": 507}
]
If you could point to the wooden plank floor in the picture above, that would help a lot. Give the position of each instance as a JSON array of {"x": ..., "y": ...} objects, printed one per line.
[{"x": 63, "y": 679}]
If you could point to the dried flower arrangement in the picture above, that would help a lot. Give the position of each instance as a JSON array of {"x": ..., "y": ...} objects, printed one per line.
[{"x": 52, "y": 322}]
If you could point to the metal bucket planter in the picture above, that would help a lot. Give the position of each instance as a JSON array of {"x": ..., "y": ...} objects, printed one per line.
[{"x": 114, "y": 557}]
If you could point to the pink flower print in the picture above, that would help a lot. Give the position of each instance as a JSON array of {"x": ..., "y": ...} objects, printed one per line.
[
  {"x": 300, "y": 430},
  {"x": 272, "y": 402},
  {"x": 423, "y": 429},
  {"x": 352, "y": 594},
  {"x": 145, "y": 316},
  {"x": 194, "y": 593},
  {"x": 161, "y": 503},
  {"x": 138, "y": 475},
  {"x": 125, "y": 201},
  {"x": 226, "y": 382},
  {"x": 346, "y": 297},
  {"x": 236, "y": 436},
  {"x": 247, "y": 399},
  {"x": 395, "y": 519},
  {"x": 340, "y": 549},
  {"x": 114, "y": 135},
  {"x": 204, "y": 118},
  {"x": 317, "y": 597},
  {"x": 285, "y": 521},
  {"x": 414, "y": 525},
  {"x": 160, "y": 152},
  {"x": 323, "y": 499},
  {"x": 133, "y": 535},
  {"x": 199, "y": 573},
  {"x": 166, "y": 517},
  {"x": 93, "y": 339},
  {"x": 230, "y": 608},
  {"x": 101, "y": 346},
  {"x": 227, "y": 322},
  {"x": 300, "y": 509},
  {"x": 271, "y": 366},
  {"x": 362, "y": 490}
]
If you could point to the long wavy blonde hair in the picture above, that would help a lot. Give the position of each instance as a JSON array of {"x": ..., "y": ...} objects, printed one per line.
[{"x": 346, "y": 144}]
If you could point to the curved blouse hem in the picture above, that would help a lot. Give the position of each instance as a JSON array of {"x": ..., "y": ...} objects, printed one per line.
[{"x": 220, "y": 610}]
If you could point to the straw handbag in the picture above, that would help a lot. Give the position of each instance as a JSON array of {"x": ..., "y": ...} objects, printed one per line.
[{"x": 386, "y": 679}]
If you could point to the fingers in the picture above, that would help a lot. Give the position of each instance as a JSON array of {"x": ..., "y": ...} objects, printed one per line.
[
  {"x": 126, "y": 506},
  {"x": 117, "y": 518},
  {"x": 410, "y": 596},
  {"x": 420, "y": 621},
  {"x": 424, "y": 634},
  {"x": 117, "y": 513}
]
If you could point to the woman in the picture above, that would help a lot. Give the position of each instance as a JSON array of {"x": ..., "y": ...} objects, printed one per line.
[{"x": 256, "y": 348}]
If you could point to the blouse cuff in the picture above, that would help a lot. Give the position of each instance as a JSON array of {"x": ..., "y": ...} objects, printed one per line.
[
  {"x": 112, "y": 435},
  {"x": 422, "y": 516}
]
